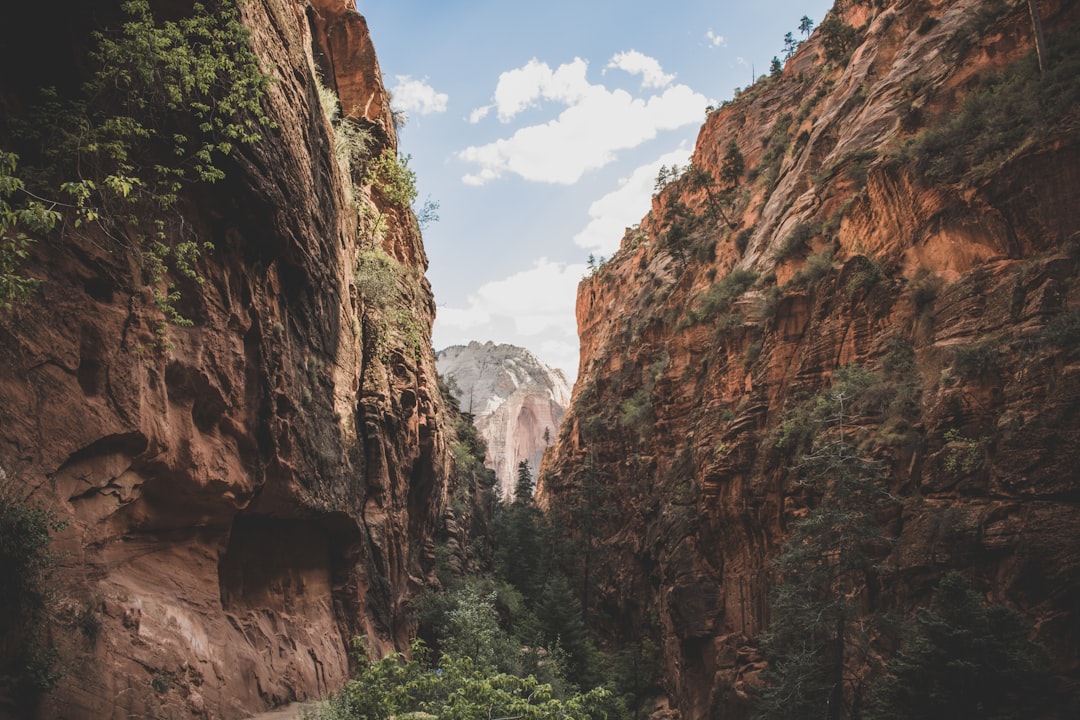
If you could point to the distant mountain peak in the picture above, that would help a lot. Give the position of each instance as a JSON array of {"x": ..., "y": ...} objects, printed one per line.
[{"x": 516, "y": 400}]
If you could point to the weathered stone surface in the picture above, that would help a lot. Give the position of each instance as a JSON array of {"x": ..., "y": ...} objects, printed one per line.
[
  {"x": 699, "y": 498},
  {"x": 516, "y": 401},
  {"x": 246, "y": 500}
]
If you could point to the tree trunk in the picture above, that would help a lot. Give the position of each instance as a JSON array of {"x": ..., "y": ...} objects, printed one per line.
[{"x": 1040, "y": 39}]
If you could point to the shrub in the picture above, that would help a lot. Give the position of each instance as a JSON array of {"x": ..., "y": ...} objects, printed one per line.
[
  {"x": 717, "y": 301},
  {"x": 1008, "y": 112},
  {"x": 868, "y": 274},
  {"x": 977, "y": 361},
  {"x": 817, "y": 266},
  {"x": 390, "y": 175},
  {"x": 924, "y": 288},
  {"x": 26, "y": 565},
  {"x": 796, "y": 241},
  {"x": 1063, "y": 332},
  {"x": 742, "y": 240}
]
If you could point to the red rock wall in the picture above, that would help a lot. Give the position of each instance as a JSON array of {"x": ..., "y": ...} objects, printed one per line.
[
  {"x": 700, "y": 500},
  {"x": 245, "y": 501}
]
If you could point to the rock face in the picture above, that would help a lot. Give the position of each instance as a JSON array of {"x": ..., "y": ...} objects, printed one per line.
[
  {"x": 246, "y": 498},
  {"x": 855, "y": 249},
  {"x": 517, "y": 402}
]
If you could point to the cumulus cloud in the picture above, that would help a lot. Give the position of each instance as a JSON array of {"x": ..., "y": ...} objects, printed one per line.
[
  {"x": 596, "y": 124},
  {"x": 417, "y": 96},
  {"x": 714, "y": 39},
  {"x": 523, "y": 87},
  {"x": 624, "y": 206},
  {"x": 480, "y": 113},
  {"x": 534, "y": 308},
  {"x": 636, "y": 63}
]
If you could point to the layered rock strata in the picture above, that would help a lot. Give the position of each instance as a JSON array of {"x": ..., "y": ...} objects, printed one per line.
[
  {"x": 246, "y": 495},
  {"x": 854, "y": 250}
]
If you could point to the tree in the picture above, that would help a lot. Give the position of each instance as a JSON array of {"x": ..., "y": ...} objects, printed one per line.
[
  {"x": 818, "y": 642},
  {"x": 775, "y": 68},
  {"x": 519, "y": 548},
  {"x": 33, "y": 216},
  {"x": 700, "y": 178},
  {"x": 456, "y": 689},
  {"x": 790, "y": 45},
  {"x": 838, "y": 37},
  {"x": 963, "y": 660},
  {"x": 523, "y": 488},
  {"x": 732, "y": 166},
  {"x": 806, "y": 25}
]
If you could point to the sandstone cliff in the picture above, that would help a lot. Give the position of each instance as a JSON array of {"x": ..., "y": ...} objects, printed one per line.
[
  {"x": 883, "y": 215},
  {"x": 245, "y": 495},
  {"x": 517, "y": 402}
]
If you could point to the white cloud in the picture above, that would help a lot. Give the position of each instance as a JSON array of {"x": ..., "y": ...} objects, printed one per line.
[
  {"x": 621, "y": 208},
  {"x": 636, "y": 63},
  {"x": 479, "y": 114},
  {"x": 534, "y": 308},
  {"x": 741, "y": 61},
  {"x": 714, "y": 39},
  {"x": 417, "y": 96},
  {"x": 521, "y": 88},
  {"x": 585, "y": 136}
]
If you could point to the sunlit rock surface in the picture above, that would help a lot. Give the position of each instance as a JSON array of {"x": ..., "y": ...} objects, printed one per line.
[{"x": 516, "y": 400}]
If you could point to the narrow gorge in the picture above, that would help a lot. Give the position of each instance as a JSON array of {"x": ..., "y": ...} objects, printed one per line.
[{"x": 235, "y": 476}]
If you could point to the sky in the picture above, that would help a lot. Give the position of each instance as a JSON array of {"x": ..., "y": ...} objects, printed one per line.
[{"x": 539, "y": 129}]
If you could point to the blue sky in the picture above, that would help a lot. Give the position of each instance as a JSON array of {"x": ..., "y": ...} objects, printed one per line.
[{"x": 539, "y": 129}]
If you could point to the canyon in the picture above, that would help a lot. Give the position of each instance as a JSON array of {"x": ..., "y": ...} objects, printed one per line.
[
  {"x": 248, "y": 465},
  {"x": 838, "y": 213}
]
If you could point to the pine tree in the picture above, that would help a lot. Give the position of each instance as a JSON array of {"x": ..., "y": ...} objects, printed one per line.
[
  {"x": 818, "y": 642},
  {"x": 963, "y": 660}
]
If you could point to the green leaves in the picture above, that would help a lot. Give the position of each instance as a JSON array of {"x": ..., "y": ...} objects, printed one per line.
[
  {"x": 29, "y": 214},
  {"x": 456, "y": 688}
]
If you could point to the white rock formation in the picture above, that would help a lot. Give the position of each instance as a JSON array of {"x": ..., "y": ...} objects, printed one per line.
[{"x": 516, "y": 400}]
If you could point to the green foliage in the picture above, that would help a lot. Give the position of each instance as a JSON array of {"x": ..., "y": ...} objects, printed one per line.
[
  {"x": 665, "y": 176},
  {"x": 390, "y": 292},
  {"x": 26, "y": 566},
  {"x": 391, "y": 177},
  {"x": 924, "y": 289},
  {"x": 717, "y": 301},
  {"x": 964, "y": 455},
  {"x": 742, "y": 240},
  {"x": 838, "y": 38},
  {"x": 1063, "y": 332},
  {"x": 796, "y": 241},
  {"x": 963, "y": 659},
  {"x": 524, "y": 487},
  {"x": 978, "y": 360},
  {"x": 733, "y": 165},
  {"x": 635, "y": 413},
  {"x": 457, "y": 688},
  {"x": 1007, "y": 113},
  {"x": 352, "y": 142},
  {"x": 819, "y": 639},
  {"x": 816, "y": 267},
  {"x": 864, "y": 277},
  {"x": 32, "y": 216},
  {"x": 166, "y": 103}
]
